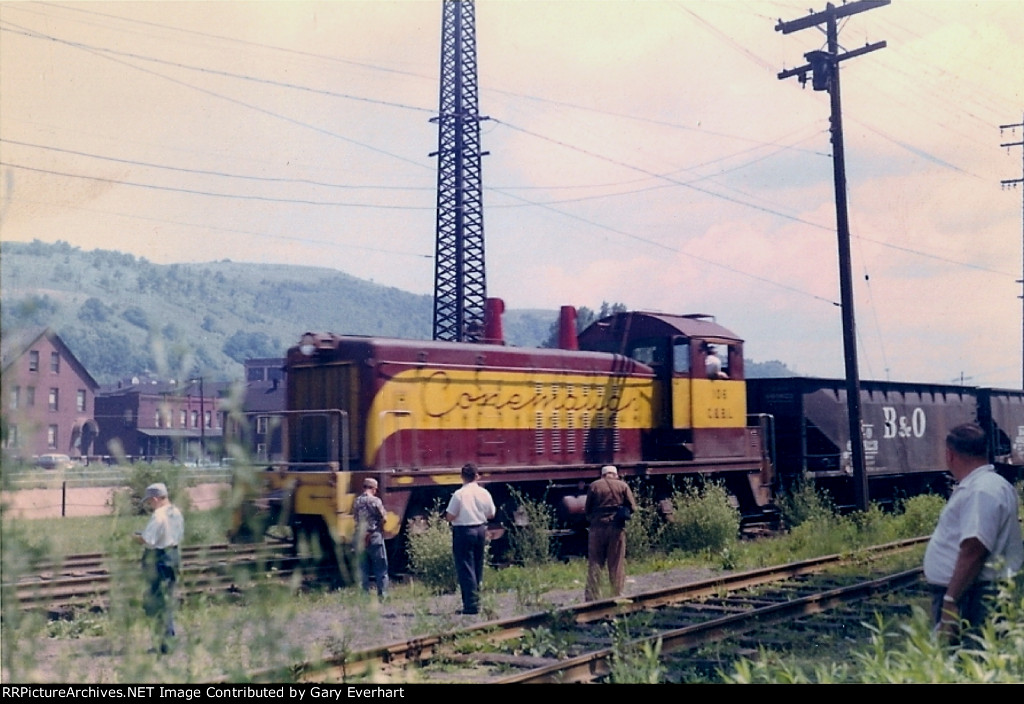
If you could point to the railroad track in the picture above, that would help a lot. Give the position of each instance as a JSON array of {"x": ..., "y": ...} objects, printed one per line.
[
  {"x": 674, "y": 619},
  {"x": 85, "y": 579}
]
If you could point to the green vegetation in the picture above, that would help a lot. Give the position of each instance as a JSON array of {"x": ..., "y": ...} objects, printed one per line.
[
  {"x": 530, "y": 532},
  {"x": 906, "y": 652},
  {"x": 430, "y": 551},
  {"x": 703, "y": 520},
  {"x": 264, "y": 626}
]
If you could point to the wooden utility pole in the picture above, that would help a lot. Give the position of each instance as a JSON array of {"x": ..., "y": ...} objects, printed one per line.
[
  {"x": 1013, "y": 182},
  {"x": 824, "y": 69}
]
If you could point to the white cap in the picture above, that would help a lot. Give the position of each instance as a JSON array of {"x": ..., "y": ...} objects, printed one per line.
[
  {"x": 609, "y": 469},
  {"x": 155, "y": 490}
]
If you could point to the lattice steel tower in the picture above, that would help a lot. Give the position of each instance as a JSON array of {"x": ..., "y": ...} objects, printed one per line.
[{"x": 459, "y": 281}]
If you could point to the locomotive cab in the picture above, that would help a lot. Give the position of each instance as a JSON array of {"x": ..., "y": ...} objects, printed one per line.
[{"x": 699, "y": 396}]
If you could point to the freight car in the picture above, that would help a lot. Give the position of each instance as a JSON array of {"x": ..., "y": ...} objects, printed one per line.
[
  {"x": 658, "y": 395},
  {"x": 904, "y": 430}
]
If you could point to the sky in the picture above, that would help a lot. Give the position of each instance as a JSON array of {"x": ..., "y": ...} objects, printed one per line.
[{"x": 642, "y": 152}]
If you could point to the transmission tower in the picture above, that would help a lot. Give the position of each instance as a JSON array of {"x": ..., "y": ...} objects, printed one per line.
[{"x": 460, "y": 287}]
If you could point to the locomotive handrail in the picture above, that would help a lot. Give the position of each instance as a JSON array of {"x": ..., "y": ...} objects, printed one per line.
[
  {"x": 766, "y": 423},
  {"x": 341, "y": 458}
]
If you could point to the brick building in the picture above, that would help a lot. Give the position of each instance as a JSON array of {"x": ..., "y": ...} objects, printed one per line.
[
  {"x": 48, "y": 397},
  {"x": 146, "y": 418},
  {"x": 264, "y": 401}
]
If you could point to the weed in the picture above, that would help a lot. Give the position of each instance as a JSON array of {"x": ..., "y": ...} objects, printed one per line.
[
  {"x": 530, "y": 532},
  {"x": 803, "y": 503},
  {"x": 542, "y": 642},
  {"x": 703, "y": 521},
  {"x": 633, "y": 662},
  {"x": 906, "y": 651},
  {"x": 430, "y": 551}
]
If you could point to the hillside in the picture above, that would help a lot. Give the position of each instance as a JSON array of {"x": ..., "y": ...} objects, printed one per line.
[{"x": 122, "y": 315}]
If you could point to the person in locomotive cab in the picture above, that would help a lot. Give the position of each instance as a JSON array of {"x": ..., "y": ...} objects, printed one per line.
[
  {"x": 161, "y": 560},
  {"x": 610, "y": 504},
  {"x": 713, "y": 364},
  {"x": 369, "y": 514},
  {"x": 468, "y": 511},
  {"x": 977, "y": 540}
]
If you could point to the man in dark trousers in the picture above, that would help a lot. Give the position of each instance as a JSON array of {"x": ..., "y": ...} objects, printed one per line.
[
  {"x": 161, "y": 560},
  {"x": 977, "y": 540},
  {"x": 607, "y": 543},
  {"x": 369, "y": 515},
  {"x": 468, "y": 511}
]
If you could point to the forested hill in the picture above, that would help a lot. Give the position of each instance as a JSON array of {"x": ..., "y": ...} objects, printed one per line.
[{"x": 122, "y": 315}]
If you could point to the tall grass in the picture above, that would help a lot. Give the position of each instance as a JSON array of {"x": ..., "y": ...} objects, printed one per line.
[
  {"x": 530, "y": 533},
  {"x": 429, "y": 545},
  {"x": 905, "y": 651}
]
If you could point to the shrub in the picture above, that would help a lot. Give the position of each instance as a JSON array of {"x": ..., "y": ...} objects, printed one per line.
[
  {"x": 128, "y": 501},
  {"x": 530, "y": 534},
  {"x": 430, "y": 551},
  {"x": 803, "y": 502},
  {"x": 643, "y": 530},
  {"x": 920, "y": 514},
  {"x": 704, "y": 520}
]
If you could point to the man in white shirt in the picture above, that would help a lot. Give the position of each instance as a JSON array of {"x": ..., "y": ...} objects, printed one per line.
[
  {"x": 161, "y": 559},
  {"x": 977, "y": 540},
  {"x": 468, "y": 511}
]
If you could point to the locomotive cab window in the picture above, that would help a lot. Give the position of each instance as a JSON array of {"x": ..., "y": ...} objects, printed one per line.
[
  {"x": 649, "y": 352},
  {"x": 681, "y": 356}
]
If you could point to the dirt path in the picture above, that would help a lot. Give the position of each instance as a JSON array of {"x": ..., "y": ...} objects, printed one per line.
[{"x": 88, "y": 501}]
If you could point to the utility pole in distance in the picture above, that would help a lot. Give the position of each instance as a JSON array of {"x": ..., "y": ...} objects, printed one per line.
[
  {"x": 824, "y": 69},
  {"x": 1013, "y": 182}
]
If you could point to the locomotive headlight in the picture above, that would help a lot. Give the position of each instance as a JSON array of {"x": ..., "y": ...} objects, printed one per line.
[{"x": 307, "y": 345}]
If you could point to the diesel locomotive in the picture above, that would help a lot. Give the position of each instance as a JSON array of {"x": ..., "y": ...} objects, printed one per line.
[
  {"x": 657, "y": 395},
  {"x": 660, "y": 396}
]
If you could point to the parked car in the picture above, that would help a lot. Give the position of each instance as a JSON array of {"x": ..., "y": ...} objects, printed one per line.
[{"x": 54, "y": 462}]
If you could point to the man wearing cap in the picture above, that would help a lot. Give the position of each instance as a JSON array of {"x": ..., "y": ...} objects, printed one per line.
[
  {"x": 161, "y": 559},
  {"x": 369, "y": 514},
  {"x": 608, "y": 499},
  {"x": 469, "y": 510}
]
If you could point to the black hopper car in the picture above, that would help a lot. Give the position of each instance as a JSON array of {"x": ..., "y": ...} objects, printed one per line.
[{"x": 904, "y": 424}]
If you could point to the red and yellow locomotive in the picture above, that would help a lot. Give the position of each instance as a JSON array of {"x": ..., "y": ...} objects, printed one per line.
[{"x": 657, "y": 395}]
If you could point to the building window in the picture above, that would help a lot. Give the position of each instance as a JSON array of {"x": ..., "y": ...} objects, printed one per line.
[
  {"x": 55, "y": 362},
  {"x": 54, "y": 400},
  {"x": 80, "y": 401},
  {"x": 261, "y": 451},
  {"x": 208, "y": 419},
  {"x": 157, "y": 419},
  {"x": 33, "y": 361},
  {"x": 261, "y": 425},
  {"x": 51, "y": 437},
  {"x": 195, "y": 419},
  {"x": 183, "y": 418},
  {"x": 12, "y": 436},
  {"x": 30, "y": 396},
  {"x": 15, "y": 394}
]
